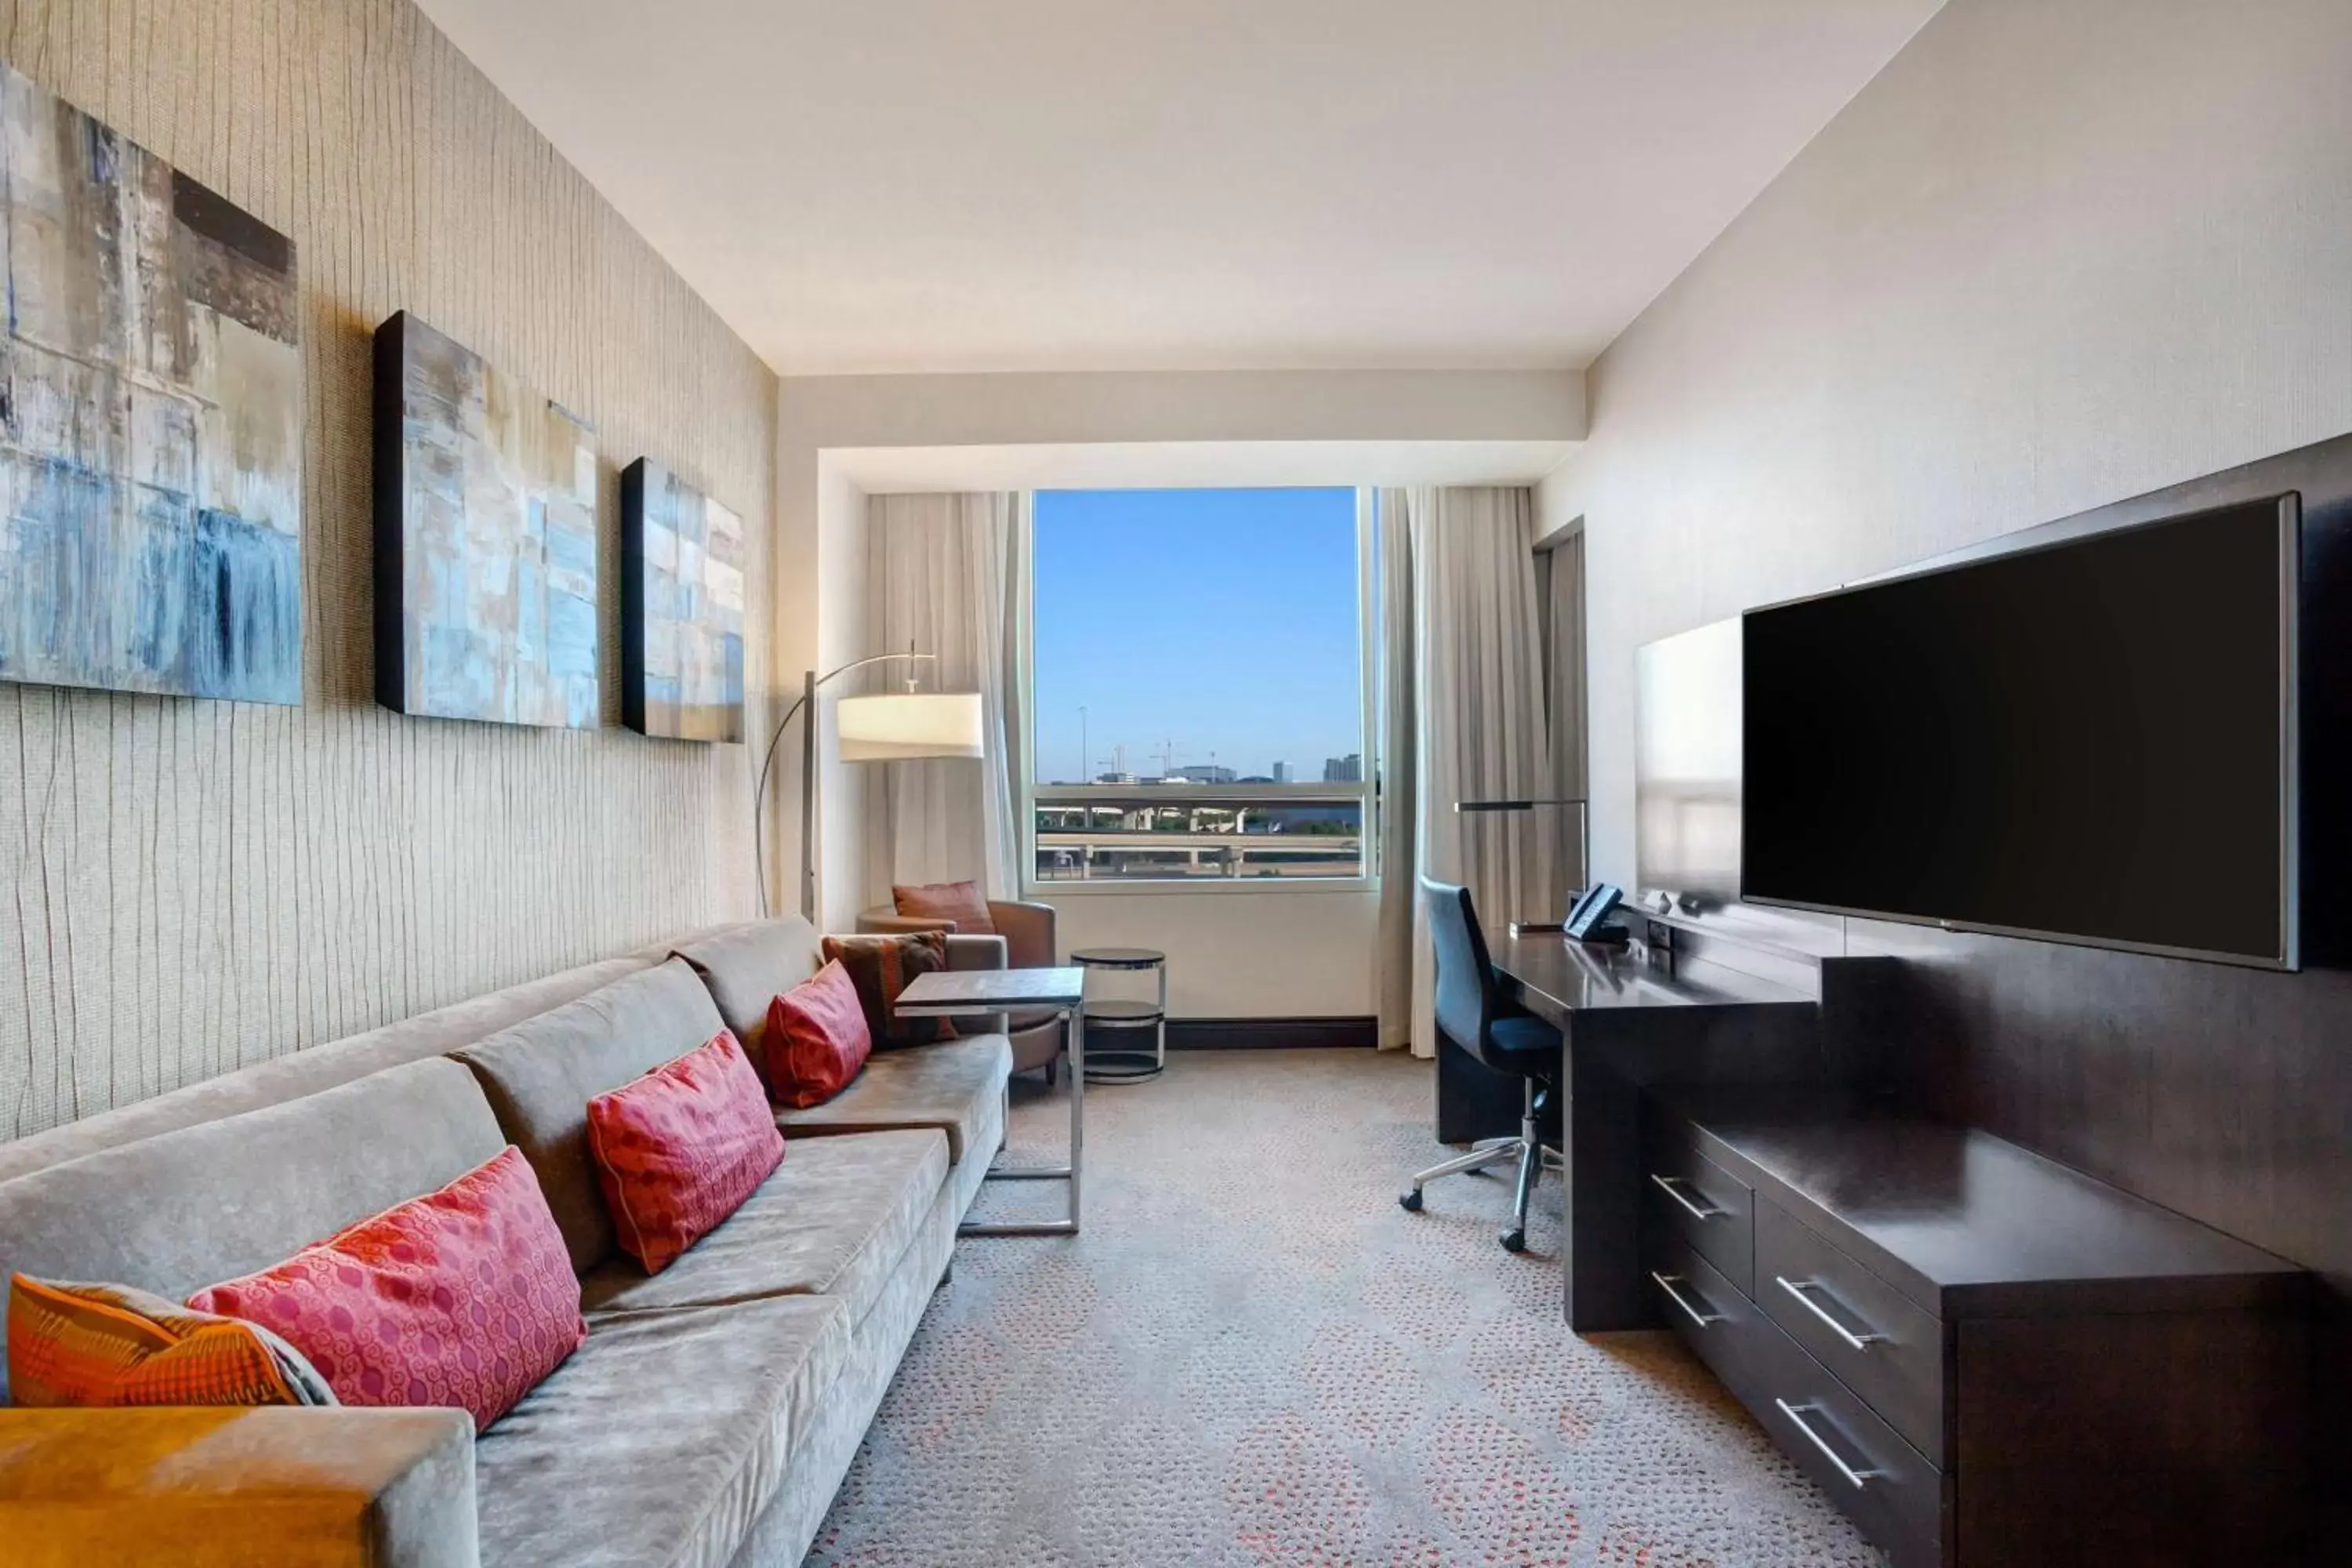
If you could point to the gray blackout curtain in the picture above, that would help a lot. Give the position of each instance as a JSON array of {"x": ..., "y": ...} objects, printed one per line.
[
  {"x": 942, "y": 576},
  {"x": 1463, "y": 662}
]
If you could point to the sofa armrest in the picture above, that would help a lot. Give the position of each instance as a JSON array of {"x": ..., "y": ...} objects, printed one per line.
[
  {"x": 977, "y": 952},
  {"x": 219, "y": 1487}
]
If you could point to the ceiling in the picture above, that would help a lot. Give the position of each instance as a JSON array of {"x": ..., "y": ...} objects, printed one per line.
[
  {"x": 1193, "y": 465},
  {"x": 899, "y": 185}
]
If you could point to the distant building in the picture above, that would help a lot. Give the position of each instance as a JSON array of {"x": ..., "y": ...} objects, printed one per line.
[
  {"x": 1201, "y": 772},
  {"x": 1349, "y": 769},
  {"x": 1281, "y": 773},
  {"x": 1115, "y": 778}
]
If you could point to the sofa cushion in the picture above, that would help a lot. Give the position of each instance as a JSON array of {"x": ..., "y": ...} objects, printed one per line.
[
  {"x": 540, "y": 1075},
  {"x": 834, "y": 1220},
  {"x": 953, "y": 1086},
  {"x": 678, "y": 1150},
  {"x": 748, "y": 966},
  {"x": 461, "y": 1296},
  {"x": 212, "y": 1202},
  {"x": 318, "y": 1067},
  {"x": 662, "y": 1438}
]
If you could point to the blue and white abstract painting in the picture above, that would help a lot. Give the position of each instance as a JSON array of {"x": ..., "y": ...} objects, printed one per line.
[
  {"x": 681, "y": 609},
  {"x": 151, "y": 422},
  {"x": 486, "y": 540}
]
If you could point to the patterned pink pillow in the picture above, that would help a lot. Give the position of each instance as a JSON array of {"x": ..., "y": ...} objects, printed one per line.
[
  {"x": 681, "y": 1148},
  {"x": 464, "y": 1297},
  {"x": 816, "y": 1039}
]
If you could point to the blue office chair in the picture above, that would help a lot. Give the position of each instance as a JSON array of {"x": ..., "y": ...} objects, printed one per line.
[{"x": 1473, "y": 1014}]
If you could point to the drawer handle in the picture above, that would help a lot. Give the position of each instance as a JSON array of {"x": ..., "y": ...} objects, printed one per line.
[
  {"x": 1797, "y": 1288},
  {"x": 1796, "y": 1412},
  {"x": 1666, "y": 1282},
  {"x": 1669, "y": 1185}
]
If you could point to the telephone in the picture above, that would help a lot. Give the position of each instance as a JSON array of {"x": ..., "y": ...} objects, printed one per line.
[{"x": 1585, "y": 921}]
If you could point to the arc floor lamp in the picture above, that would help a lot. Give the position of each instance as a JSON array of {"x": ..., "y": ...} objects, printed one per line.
[{"x": 894, "y": 726}]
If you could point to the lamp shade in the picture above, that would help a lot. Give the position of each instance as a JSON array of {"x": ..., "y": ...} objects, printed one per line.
[{"x": 905, "y": 724}]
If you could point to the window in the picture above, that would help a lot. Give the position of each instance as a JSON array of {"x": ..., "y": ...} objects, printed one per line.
[{"x": 1197, "y": 687}]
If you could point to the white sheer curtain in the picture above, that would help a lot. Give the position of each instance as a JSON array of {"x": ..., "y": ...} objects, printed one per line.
[
  {"x": 942, "y": 577},
  {"x": 1461, "y": 636}
]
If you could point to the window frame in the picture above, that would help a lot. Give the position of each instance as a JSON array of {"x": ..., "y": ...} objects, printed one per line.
[{"x": 1365, "y": 792}]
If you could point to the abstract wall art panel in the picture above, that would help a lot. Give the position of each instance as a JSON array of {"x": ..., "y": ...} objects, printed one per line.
[
  {"x": 151, "y": 422},
  {"x": 681, "y": 609},
  {"x": 485, "y": 539}
]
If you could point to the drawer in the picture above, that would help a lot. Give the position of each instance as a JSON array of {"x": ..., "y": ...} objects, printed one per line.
[
  {"x": 1717, "y": 1321},
  {"x": 1686, "y": 1193},
  {"x": 1875, "y": 1478},
  {"x": 1870, "y": 1336}
]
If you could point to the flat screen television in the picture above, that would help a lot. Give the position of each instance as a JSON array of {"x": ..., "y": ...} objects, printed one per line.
[{"x": 2089, "y": 740}]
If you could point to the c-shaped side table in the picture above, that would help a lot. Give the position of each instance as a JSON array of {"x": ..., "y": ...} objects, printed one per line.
[{"x": 943, "y": 994}]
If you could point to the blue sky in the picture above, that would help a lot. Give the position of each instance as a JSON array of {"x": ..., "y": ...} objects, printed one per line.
[{"x": 1223, "y": 621}]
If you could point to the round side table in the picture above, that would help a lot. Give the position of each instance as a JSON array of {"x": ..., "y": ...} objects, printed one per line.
[{"x": 1111, "y": 1020}]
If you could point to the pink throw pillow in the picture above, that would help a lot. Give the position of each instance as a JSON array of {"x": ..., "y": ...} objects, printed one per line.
[
  {"x": 679, "y": 1150},
  {"x": 464, "y": 1297},
  {"x": 817, "y": 1039}
]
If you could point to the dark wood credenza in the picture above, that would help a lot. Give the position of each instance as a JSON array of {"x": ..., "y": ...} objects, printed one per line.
[{"x": 1982, "y": 1356}]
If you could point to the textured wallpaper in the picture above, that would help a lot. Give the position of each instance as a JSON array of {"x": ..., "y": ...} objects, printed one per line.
[{"x": 188, "y": 886}]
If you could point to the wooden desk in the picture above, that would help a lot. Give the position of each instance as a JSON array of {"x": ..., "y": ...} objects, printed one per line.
[{"x": 1627, "y": 1027}]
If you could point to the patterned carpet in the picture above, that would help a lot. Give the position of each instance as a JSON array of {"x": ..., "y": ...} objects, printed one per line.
[{"x": 1253, "y": 1357}]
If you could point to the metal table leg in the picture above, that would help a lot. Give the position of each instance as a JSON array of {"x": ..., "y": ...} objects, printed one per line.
[{"x": 1074, "y": 1022}]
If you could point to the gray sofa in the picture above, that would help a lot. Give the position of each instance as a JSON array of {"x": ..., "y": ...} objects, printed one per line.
[{"x": 715, "y": 1406}]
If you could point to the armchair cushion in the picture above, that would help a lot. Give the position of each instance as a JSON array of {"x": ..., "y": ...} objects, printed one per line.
[{"x": 957, "y": 905}]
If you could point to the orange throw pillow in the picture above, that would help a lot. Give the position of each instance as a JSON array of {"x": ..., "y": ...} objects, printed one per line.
[
  {"x": 816, "y": 1039},
  {"x": 102, "y": 1346},
  {"x": 679, "y": 1150},
  {"x": 961, "y": 905}
]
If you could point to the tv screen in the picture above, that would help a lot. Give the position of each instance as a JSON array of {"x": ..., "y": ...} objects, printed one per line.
[{"x": 2089, "y": 740}]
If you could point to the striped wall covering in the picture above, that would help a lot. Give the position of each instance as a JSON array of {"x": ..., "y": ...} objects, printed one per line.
[{"x": 186, "y": 887}]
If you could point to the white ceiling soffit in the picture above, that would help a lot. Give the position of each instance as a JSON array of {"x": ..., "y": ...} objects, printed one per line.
[
  {"x": 891, "y": 186},
  {"x": 1187, "y": 465}
]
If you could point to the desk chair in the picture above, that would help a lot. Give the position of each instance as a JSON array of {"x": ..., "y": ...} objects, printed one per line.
[{"x": 1471, "y": 1013}]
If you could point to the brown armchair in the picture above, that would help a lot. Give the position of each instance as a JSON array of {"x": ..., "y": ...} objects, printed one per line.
[{"x": 1029, "y": 944}]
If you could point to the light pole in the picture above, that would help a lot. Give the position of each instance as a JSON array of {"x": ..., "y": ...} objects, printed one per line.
[{"x": 1083, "y": 752}]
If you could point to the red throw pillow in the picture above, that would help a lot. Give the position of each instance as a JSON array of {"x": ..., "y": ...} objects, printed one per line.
[
  {"x": 881, "y": 967},
  {"x": 680, "y": 1149},
  {"x": 816, "y": 1039},
  {"x": 464, "y": 1297},
  {"x": 960, "y": 904}
]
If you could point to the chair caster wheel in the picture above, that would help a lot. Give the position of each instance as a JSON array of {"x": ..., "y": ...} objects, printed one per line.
[
  {"x": 1515, "y": 1241},
  {"x": 1410, "y": 1202}
]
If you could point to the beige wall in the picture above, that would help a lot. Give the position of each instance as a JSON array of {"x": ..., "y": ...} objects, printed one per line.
[
  {"x": 2059, "y": 252},
  {"x": 190, "y": 886}
]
